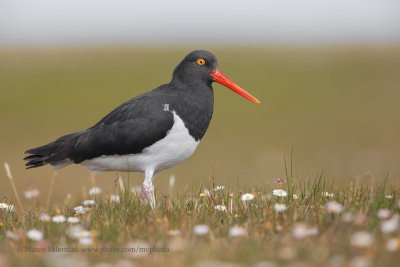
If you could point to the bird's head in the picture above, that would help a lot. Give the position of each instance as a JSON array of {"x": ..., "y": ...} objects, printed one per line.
[{"x": 201, "y": 66}]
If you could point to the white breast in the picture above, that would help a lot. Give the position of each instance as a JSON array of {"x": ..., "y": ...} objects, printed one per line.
[{"x": 174, "y": 148}]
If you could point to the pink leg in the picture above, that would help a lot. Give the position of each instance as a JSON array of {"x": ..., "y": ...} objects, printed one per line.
[{"x": 147, "y": 190}]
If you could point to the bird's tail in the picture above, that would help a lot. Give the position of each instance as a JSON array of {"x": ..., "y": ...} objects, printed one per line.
[{"x": 55, "y": 153}]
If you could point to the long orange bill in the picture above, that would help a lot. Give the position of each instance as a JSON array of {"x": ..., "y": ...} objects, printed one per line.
[{"x": 219, "y": 77}]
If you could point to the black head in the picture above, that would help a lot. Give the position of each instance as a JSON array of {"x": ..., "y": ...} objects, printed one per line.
[
  {"x": 196, "y": 67},
  {"x": 200, "y": 68}
]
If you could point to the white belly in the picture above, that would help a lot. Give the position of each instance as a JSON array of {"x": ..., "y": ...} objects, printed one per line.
[{"x": 174, "y": 148}]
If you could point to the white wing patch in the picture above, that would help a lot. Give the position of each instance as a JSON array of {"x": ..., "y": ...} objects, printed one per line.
[{"x": 166, "y": 107}]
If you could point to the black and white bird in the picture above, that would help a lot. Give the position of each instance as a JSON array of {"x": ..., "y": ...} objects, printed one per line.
[{"x": 149, "y": 133}]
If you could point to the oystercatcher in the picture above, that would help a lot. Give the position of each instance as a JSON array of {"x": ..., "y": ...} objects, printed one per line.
[{"x": 149, "y": 133}]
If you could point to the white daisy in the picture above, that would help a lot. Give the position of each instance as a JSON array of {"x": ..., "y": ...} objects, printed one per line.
[
  {"x": 334, "y": 207},
  {"x": 390, "y": 226},
  {"x": 362, "y": 239},
  {"x": 300, "y": 231},
  {"x": 327, "y": 194},
  {"x": 58, "y": 219},
  {"x": 280, "y": 207},
  {"x": 237, "y": 231},
  {"x": 295, "y": 197},
  {"x": 31, "y": 193},
  {"x": 389, "y": 196},
  {"x": 73, "y": 220},
  {"x": 12, "y": 235},
  {"x": 89, "y": 202},
  {"x": 383, "y": 214},
  {"x": 200, "y": 229},
  {"x": 85, "y": 241},
  {"x": 77, "y": 231},
  {"x": 4, "y": 206},
  {"x": 95, "y": 190},
  {"x": 174, "y": 232},
  {"x": 220, "y": 207},
  {"x": 44, "y": 217},
  {"x": 219, "y": 187},
  {"x": 247, "y": 197},
  {"x": 34, "y": 234},
  {"x": 114, "y": 198},
  {"x": 79, "y": 210},
  {"x": 279, "y": 193}
]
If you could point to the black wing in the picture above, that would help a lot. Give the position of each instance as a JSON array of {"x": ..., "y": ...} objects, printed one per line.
[{"x": 128, "y": 129}]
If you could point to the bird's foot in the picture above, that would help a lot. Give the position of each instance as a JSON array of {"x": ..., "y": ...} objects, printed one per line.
[{"x": 147, "y": 191}]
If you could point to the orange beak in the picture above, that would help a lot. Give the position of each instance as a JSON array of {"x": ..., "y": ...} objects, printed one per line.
[{"x": 219, "y": 77}]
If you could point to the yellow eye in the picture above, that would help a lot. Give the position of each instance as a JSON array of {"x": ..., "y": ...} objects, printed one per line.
[{"x": 201, "y": 61}]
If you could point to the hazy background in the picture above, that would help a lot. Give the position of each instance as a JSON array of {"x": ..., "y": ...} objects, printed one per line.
[{"x": 326, "y": 72}]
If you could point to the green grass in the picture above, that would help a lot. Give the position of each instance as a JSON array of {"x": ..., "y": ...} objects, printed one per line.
[{"x": 269, "y": 236}]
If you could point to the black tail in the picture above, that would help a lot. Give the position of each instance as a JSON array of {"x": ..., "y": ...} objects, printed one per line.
[{"x": 53, "y": 152}]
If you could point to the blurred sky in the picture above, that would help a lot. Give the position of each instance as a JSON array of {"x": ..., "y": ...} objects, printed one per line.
[{"x": 88, "y": 22}]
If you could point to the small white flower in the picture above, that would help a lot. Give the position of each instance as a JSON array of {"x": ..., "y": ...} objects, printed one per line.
[
  {"x": 295, "y": 197},
  {"x": 114, "y": 198},
  {"x": 279, "y": 193},
  {"x": 58, "y": 219},
  {"x": 220, "y": 207},
  {"x": 44, "y": 217},
  {"x": 85, "y": 241},
  {"x": 393, "y": 244},
  {"x": 89, "y": 202},
  {"x": 31, "y": 193},
  {"x": 280, "y": 207},
  {"x": 327, "y": 194},
  {"x": 174, "y": 232},
  {"x": 12, "y": 235},
  {"x": 34, "y": 234},
  {"x": 237, "y": 231},
  {"x": 4, "y": 206},
  {"x": 389, "y": 196},
  {"x": 76, "y": 232},
  {"x": 95, "y": 191},
  {"x": 247, "y": 197},
  {"x": 361, "y": 239},
  {"x": 383, "y": 214},
  {"x": 73, "y": 220},
  {"x": 200, "y": 229},
  {"x": 300, "y": 231},
  {"x": 79, "y": 210},
  {"x": 390, "y": 226},
  {"x": 334, "y": 207},
  {"x": 219, "y": 187}
]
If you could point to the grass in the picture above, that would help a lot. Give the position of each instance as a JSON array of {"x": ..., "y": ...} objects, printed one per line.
[{"x": 308, "y": 233}]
